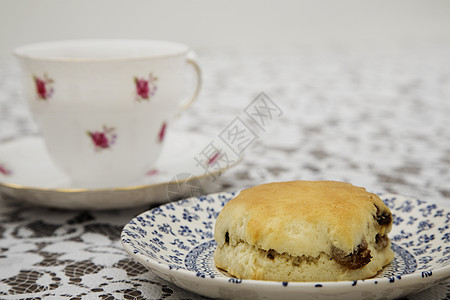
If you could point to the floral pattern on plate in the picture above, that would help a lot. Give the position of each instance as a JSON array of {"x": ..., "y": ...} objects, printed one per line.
[
  {"x": 44, "y": 87},
  {"x": 176, "y": 241},
  {"x": 145, "y": 87},
  {"x": 104, "y": 138}
]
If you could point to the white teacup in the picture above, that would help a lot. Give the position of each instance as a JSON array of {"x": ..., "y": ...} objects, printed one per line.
[{"x": 104, "y": 105}]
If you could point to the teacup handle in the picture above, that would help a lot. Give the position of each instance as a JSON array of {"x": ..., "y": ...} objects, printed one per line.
[{"x": 192, "y": 60}]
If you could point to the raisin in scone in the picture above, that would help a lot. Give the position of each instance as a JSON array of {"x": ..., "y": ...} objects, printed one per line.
[{"x": 304, "y": 231}]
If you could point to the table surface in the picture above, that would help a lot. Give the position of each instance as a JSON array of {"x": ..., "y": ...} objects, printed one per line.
[{"x": 377, "y": 118}]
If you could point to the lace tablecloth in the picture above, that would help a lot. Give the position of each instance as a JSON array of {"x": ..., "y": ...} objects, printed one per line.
[{"x": 375, "y": 118}]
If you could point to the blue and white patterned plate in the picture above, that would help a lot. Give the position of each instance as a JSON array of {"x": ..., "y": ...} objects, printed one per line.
[{"x": 176, "y": 242}]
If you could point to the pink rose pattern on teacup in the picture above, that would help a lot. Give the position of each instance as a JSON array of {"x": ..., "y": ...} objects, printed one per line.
[
  {"x": 145, "y": 87},
  {"x": 213, "y": 159},
  {"x": 162, "y": 132},
  {"x": 152, "y": 172},
  {"x": 44, "y": 87},
  {"x": 103, "y": 139},
  {"x": 4, "y": 170}
]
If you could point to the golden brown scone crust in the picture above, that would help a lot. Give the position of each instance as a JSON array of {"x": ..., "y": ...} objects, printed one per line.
[{"x": 308, "y": 219}]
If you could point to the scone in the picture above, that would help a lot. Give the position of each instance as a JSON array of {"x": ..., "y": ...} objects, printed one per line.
[{"x": 304, "y": 231}]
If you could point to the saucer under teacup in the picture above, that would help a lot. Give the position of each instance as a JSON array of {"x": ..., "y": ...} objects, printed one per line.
[{"x": 27, "y": 173}]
